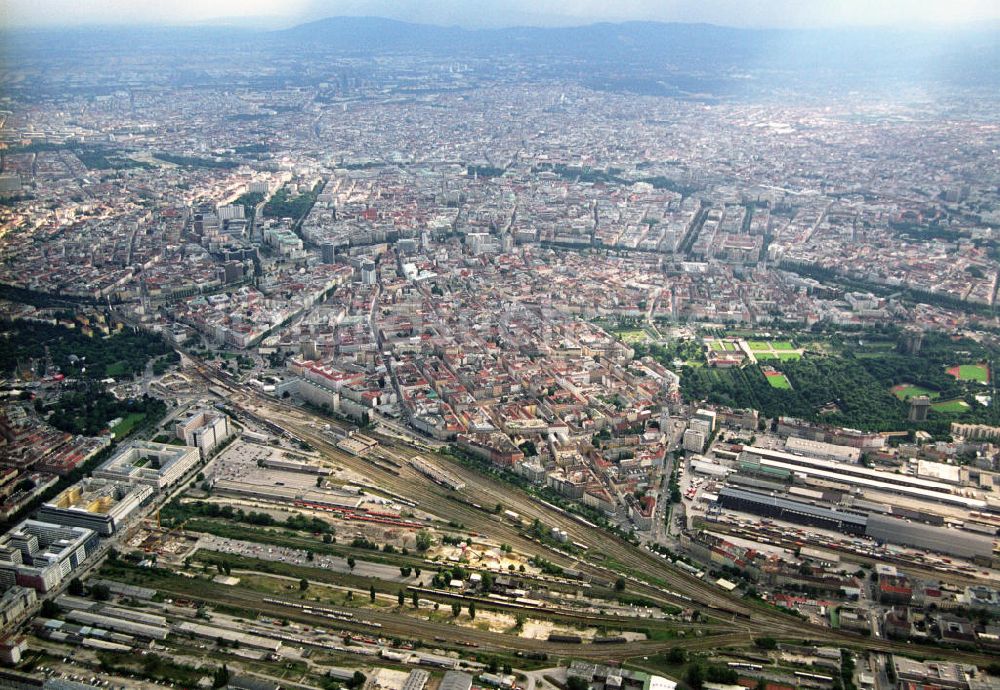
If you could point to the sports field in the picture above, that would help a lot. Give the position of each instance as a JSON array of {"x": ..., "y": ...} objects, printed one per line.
[
  {"x": 971, "y": 372},
  {"x": 956, "y": 406},
  {"x": 778, "y": 380},
  {"x": 905, "y": 391}
]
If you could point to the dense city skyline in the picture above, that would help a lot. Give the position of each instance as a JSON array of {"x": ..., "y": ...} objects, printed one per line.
[{"x": 364, "y": 354}]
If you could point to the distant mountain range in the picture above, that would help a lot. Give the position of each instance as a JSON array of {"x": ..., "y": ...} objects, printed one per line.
[
  {"x": 684, "y": 45},
  {"x": 639, "y": 57}
]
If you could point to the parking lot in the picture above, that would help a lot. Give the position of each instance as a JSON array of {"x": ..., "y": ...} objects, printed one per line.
[{"x": 283, "y": 554}]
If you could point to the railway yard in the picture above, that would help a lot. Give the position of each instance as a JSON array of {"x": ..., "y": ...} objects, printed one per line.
[{"x": 308, "y": 542}]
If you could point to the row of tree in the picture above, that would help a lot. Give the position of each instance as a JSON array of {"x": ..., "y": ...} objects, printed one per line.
[
  {"x": 87, "y": 409},
  {"x": 74, "y": 353}
]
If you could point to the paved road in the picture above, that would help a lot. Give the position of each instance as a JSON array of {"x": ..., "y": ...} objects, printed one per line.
[{"x": 536, "y": 679}]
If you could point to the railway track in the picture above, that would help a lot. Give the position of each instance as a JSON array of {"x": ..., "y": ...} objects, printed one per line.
[
  {"x": 432, "y": 498},
  {"x": 393, "y": 625},
  {"x": 950, "y": 577},
  {"x": 549, "y": 611},
  {"x": 647, "y": 571}
]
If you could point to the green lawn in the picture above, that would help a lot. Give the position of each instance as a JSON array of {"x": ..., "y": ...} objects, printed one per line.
[
  {"x": 720, "y": 346},
  {"x": 633, "y": 336},
  {"x": 971, "y": 372},
  {"x": 123, "y": 427},
  {"x": 778, "y": 349},
  {"x": 905, "y": 391},
  {"x": 116, "y": 369},
  {"x": 951, "y": 406},
  {"x": 783, "y": 356},
  {"x": 723, "y": 346}
]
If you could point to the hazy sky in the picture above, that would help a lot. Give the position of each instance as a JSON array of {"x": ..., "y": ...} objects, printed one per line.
[{"x": 473, "y": 13}]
